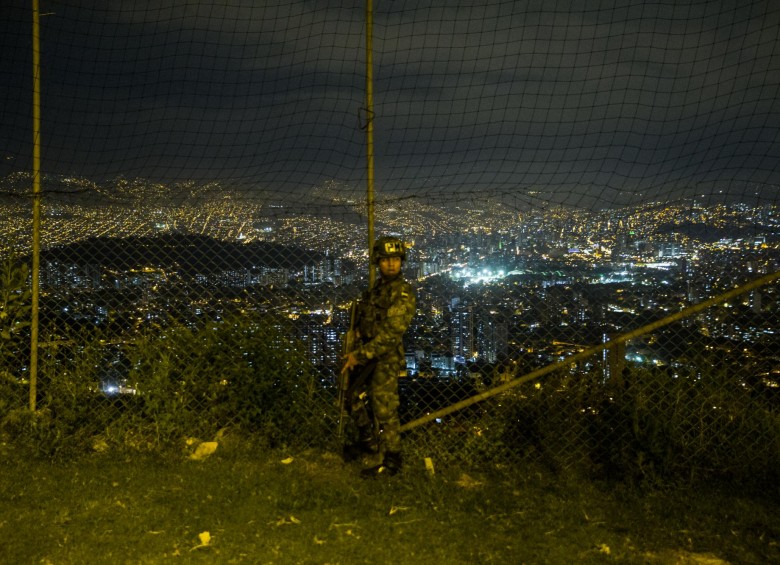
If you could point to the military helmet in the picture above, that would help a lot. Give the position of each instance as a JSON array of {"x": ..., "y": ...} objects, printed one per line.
[{"x": 388, "y": 246}]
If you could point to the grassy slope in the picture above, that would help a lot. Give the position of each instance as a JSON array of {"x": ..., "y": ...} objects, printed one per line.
[{"x": 314, "y": 509}]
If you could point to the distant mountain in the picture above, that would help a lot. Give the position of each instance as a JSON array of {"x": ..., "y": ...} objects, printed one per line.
[
  {"x": 338, "y": 200},
  {"x": 119, "y": 191},
  {"x": 708, "y": 233},
  {"x": 189, "y": 254}
]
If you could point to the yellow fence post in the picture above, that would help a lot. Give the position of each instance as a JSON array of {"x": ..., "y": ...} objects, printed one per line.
[
  {"x": 36, "y": 192},
  {"x": 370, "y": 136}
]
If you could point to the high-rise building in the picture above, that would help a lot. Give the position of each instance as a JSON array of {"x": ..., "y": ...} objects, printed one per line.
[{"x": 463, "y": 331}]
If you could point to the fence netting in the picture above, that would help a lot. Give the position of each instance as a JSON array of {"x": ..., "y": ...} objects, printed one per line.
[{"x": 564, "y": 173}]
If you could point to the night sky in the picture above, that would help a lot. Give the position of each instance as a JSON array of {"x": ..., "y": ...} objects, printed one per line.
[{"x": 586, "y": 103}]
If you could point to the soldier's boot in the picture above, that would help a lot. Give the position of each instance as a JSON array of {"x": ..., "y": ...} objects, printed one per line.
[
  {"x": 364, "y": 446},
  {"x": 390, "y": 466}
]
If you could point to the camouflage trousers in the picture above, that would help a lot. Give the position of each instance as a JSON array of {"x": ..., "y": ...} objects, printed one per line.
[{"x": 374, "y": 406}]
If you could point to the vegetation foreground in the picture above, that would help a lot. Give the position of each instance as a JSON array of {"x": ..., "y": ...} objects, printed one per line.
[{"x": 242, "y": 506}]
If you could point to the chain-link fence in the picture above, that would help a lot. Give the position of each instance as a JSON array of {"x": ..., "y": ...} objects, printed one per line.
[
  {"x": 565, "y": 177},
  {"x": 152, "y": 338}
]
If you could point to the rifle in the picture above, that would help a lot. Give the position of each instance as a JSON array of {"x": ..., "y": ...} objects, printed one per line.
[{"x": 347, "y": 345}]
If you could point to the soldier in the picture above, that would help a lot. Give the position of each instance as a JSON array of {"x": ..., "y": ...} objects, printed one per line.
[{"x": 384, "y": 313}]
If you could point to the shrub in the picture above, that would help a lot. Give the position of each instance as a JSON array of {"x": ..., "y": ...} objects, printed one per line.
[
  {"x": 244, "y": 371},
  {"x": 15, "y": 306}
]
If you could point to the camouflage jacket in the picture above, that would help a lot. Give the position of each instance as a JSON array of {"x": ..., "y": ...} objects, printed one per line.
[{"x": 385, "y": 313}]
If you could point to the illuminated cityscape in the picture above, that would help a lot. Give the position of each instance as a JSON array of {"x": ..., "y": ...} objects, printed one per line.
[{"x": 496, "y": 284}]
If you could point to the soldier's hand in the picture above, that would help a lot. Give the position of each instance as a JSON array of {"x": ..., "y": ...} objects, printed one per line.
[{"x": 350, "y": 362}]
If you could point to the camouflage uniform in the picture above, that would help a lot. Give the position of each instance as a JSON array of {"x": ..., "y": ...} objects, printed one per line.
[{"x": 385, "y": 313}]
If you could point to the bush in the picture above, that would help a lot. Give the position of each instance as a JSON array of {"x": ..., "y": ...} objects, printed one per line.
[
  {"x": 244, "y": 371},
  {"x": 15, "y": 307}
]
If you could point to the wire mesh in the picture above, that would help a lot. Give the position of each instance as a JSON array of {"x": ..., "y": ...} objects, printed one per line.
[{"x": 565, "y": 175}]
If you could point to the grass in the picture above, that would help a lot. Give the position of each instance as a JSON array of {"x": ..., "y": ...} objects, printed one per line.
[{"x": 240, "y": 506}]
